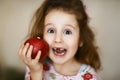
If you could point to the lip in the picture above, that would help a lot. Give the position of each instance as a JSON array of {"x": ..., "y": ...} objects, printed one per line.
[{"x": 59, "y": 51}]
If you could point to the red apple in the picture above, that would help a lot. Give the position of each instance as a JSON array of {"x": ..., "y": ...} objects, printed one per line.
[{"x": 38, "y": 44}]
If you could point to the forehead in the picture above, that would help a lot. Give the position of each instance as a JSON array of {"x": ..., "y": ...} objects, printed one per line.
[
  {"x": 58, "y": 16},
  {"x": 60, "y": 11}
]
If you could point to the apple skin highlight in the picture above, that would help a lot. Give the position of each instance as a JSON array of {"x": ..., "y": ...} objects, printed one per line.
[{"x": 38, "y": 44}]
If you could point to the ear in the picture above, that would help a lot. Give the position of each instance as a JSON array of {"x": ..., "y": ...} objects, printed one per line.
[{"x": 81, "y": 44}]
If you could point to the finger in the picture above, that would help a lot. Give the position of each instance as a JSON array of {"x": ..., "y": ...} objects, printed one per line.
[
  {"x": 25, "y": 49},
  {"x": 20, "y": 50},
  {"x": 29, "y": 53},
  {"x": 38, "y": 56}
]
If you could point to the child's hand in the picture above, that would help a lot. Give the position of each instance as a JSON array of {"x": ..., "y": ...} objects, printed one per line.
[{"x": 34, "y": 65}]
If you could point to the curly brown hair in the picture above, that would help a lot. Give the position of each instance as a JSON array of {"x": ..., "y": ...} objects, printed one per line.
[{"x": 87, "y": 54}]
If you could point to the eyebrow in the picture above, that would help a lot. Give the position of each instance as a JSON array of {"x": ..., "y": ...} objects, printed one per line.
[
  {"x": 70, "y": 25},
  {"x": 74, "y": 27},
  {"x": 49, "y": 24}
]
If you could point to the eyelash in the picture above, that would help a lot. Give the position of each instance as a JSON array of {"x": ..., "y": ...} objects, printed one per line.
[{"x": 67, "y": 32}]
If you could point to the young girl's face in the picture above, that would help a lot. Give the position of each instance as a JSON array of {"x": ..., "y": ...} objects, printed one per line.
[{"x": 62, "y": 34}]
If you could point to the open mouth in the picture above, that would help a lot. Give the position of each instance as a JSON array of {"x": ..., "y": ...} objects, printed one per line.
[{"x": 59, "y": 51}]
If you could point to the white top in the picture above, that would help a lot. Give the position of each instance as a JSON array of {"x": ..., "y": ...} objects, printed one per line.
[{"x": 85, "y": 73}]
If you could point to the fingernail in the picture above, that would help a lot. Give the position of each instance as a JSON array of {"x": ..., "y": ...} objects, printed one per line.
[
  {"x": 39, "y": 51},
  {"x": 31, "y": 46},
  {"x": 27, "y": 43}
]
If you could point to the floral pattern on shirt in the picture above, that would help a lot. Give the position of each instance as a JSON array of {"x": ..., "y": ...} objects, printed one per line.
[
  {"x": 85, "y": 73},
  {"x": 87, "y": 76}
]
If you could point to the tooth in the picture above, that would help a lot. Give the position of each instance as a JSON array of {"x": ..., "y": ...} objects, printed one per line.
[
  {"x": 55, "y": 48},
  {"x": 61, "y": 49}
]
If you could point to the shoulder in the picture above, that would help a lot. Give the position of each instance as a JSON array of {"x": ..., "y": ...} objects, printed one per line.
[{"x": 88, "y": 73}]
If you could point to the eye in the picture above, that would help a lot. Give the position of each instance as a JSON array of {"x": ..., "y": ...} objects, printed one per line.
[
  {"x": 67, "y": 32},
  {"x": 51, "y": 31}
]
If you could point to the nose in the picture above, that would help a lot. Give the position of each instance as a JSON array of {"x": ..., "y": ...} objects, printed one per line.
[{"x": 58, "y": 38}]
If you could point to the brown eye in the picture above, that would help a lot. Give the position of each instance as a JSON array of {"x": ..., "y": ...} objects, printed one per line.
[
  {"x": 67, "y": 32},
  {"x": 51, "y": 31}
]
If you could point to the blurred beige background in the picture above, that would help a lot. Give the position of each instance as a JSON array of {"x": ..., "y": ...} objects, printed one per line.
[{"x": 15, "y": 16}]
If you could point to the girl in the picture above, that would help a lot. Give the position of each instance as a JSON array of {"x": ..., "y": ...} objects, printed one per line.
[{"x": 63, "y": 24}]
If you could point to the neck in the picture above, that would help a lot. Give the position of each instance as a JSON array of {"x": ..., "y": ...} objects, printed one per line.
[{"x": 68, "y": 68}]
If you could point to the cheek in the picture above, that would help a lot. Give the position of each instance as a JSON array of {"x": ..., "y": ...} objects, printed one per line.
[
  {"x": 73, "y": 42},
  {"x": 73, "y": 47},
  {"x": 48, "y": 39}
]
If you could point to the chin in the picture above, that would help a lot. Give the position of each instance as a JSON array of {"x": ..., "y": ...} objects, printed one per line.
[{"x": 58, "y": 61}]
